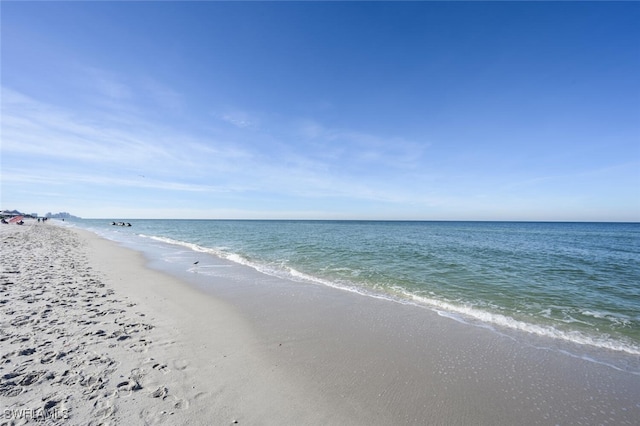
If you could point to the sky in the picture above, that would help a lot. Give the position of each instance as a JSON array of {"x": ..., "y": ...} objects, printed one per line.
[{"x": 322, "y": 110}]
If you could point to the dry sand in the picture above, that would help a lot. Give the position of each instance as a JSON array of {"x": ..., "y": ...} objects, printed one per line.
[{"x": 89, "y": 335}]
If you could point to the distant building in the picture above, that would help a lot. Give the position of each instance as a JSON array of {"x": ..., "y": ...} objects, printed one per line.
[{"x": 61, "y": 215}]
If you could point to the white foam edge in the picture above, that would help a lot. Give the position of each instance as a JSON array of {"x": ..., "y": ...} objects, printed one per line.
[{"x": 442, "y": 308}]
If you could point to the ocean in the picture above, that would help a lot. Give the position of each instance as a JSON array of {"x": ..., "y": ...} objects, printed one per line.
[{"x": 571, "y": 282}]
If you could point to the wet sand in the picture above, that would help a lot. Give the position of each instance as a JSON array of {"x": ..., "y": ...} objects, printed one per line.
[{"x": 90, "y": 335}]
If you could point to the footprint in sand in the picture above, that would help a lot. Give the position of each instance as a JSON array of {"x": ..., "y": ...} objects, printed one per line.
[
  {"x": 88, "y": 380},
  {"x": 31, "y": 378},
  {"x": 10, "y": 389},
  {"x": 26, "y": 352},
  {"x": 141, "y": 346},
  {"x": 51, "y": 356},
  {"x": 181, "y": 364},
  {"x": 127, "y": 387},
  {"x": 201, "y": 395},
  {"x": 181, "y": 404},
  {"x": 161, "y": 367},
  {"x": 161, "y": 392},
  {"x": 133, "y": 384},
  {"x": 103, "y": 410}
]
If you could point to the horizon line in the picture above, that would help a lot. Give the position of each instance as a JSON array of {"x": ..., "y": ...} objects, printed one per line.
[{"x": 368, "y": 220}]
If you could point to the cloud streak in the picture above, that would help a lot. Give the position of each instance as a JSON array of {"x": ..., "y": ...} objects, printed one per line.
[
  {"x": 102, "y": 148},
  {"x": 363, "y": 148}
]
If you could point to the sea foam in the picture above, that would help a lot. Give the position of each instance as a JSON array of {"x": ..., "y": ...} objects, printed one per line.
[{"x": 460, "y": 312}]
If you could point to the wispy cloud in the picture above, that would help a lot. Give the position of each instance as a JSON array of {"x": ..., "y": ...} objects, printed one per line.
[
  {"x": 366, "y": 148},
  {"x": 34, "y": 128},
  {"x": 163, "y": 95},
  {"x": 107, "y": 84},
  {"x": 43, "y": 131},
  {"x": 63, "y": 178},
  {"x": 120, "y": 152},
  {"x": 240, "y": 119}
]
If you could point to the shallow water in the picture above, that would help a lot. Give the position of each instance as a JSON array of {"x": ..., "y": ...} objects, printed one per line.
[{"x": 575, "y": 282}]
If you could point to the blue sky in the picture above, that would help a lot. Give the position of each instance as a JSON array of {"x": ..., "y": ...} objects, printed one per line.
[{"x": 428, "y": 111}]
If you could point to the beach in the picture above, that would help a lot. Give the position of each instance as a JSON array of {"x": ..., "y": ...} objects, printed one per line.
[{"x": 95, "y": 333}]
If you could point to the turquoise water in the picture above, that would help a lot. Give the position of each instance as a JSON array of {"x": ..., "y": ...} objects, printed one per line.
[{"x": 578, "y": 282}]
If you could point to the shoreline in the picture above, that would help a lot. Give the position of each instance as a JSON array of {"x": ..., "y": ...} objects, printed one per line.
[
  {"x": 587, "y": 323},
  {"x": 256, "y": 350}
]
